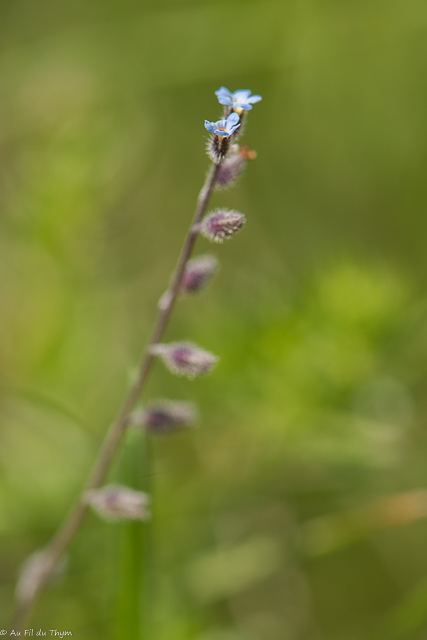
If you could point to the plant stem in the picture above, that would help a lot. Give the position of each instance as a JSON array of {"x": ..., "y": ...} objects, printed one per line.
[{"x": 65, "y": 534}]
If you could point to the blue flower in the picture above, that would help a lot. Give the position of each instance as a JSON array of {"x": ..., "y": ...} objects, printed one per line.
[
  {"x": 224, "y": 128},
  {"x": 239, "y": 100}
]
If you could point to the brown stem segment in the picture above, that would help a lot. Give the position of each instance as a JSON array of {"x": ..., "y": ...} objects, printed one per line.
[{"x": 60, "y": 541}]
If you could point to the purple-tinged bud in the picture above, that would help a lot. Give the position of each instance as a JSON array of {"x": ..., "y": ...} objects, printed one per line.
[
  {"x": 232, "y": 167},
  {"x": 116, "y": 502},
  {"x": 198, "y": 273},
  {"x": 221, "y": 224},
  {"x": 185, "y": 358},
  {"x": 165, "y": 417},
  {"x": 165, "y": 301},
  {"x": 37, "y": 569}
]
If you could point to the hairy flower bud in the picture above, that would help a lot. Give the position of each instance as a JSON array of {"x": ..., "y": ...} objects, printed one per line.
[
  {"x": 198, "y": 273},
  {"x": 234, "y": 165},
  {"x": 185, "y": 358},
  {"x": 37, "y": 569},
  {"x": 221, "y": 224},
  {"x": 164, "y": 417},
  {"x": 230, "y": 170},
  {"x": 116, "y": 502}
]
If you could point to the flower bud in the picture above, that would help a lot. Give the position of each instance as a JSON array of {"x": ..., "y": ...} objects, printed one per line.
[
  {"x": 185, "y": 358},
  {"x": 234, "y": 165},
  {"x": 37, "y": 569},
  {"x": 165, "y": 417},
  {"x": 116, "y": 502},
  {"x": 221, "y": 224},
  {"x": 165, "y": 300},
  {"x": 230, "y": 170},
  {"x": 198, "y": 272}
]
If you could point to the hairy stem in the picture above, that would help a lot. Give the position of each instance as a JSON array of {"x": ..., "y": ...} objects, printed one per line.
[{"x": 60, "y": 541}]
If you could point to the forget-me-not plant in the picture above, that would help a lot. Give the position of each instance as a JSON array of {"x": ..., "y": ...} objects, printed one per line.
[{"x": 182, "y": 358}]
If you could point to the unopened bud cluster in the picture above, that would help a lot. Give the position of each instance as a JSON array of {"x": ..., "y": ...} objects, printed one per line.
[
  {"x": 116, "y": 502},
  {"x": 185, "y": 358}
]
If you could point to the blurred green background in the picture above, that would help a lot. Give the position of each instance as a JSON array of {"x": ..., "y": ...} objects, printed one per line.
[{"x": 296, "y": 509}]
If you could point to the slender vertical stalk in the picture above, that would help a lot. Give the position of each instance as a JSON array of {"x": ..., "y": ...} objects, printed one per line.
[{"x": 55, "y": 549}]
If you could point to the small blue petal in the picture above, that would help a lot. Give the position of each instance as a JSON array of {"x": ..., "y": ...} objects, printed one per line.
[
  {"x": 233, "y": 129},
  {"x": 225, "y": 100},
  {"x": 233, "y": 118},
  {"x": 242, "y": 95},
  {"x": 243, "y": 105},
  {"x": 223, "y": 91},
  {"x": 210, "y": 126},
  {"x": 223, "y": 134},
  {"x": 254, "y": 99}
]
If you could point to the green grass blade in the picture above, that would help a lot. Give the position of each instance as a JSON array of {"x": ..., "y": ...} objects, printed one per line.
[{"x": 133, "y": 549}]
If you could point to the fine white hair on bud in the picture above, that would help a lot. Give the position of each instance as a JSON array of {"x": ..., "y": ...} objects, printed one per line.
[
  {"x": 229, "y": 171},
  {"x": 37, "y": 569},
  {"x": 221, "y": 224},
  {"x": 117, "y": 502},
  {"x": 233, "y": 166},
  {"x": 165, "y": 417},
  {"x": 185, "y": 358},
  {"x": 198, "y": 273}
]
